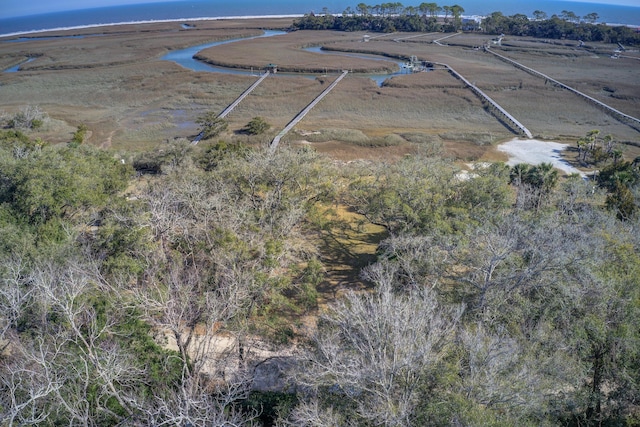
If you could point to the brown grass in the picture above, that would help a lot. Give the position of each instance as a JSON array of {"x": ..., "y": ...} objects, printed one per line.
[
  {"x": 287, "y": 52},
  {"x": 117, "y": 87},
  {"x": 130, "y": 100},
  {"x": 549, "y": 112}
]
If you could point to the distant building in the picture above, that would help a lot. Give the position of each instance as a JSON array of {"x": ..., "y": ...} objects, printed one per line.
[
  {"x": 470, "y": 24},
  {"x": 273, "y": 68}
]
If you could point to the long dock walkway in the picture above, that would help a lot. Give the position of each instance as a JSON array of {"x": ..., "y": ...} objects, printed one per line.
[
  {"x": 443, "y": 38},
  {"x": 235, "y": 103},
  {"x": 300, "y": 116},
  {"x": 625, "y": 118},
  {"x": 496, "y": 108},
  {"x": 400, "y": 39}
]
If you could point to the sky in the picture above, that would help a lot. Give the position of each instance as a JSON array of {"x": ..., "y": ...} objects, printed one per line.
[
  {"x": 10, "y": 8},
  {"x": 615, "y": 2}
]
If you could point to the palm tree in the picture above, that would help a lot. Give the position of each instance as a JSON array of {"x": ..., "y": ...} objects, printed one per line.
[
  {"x": 363, "y": 9},
  {"x": 543, "y": 178},
  {"x": 518, "y": 173},
  {"x": 447, "y": 11},
  {"x": 546, "y": 177},
  {"x": 434, "y": 10},
  {"x": 456, "y": 11},
  {"x": 592, "y": 138},
  {"x": 537, "y": 181},
  {"x": 583, "y": 144},
  {"x": 568, "y": 16},
  {"x": 591, "y": 17},
  {"x": 396, "y": 8},
  {"x": 539, "y": 15},
  {"x": 410, "y": 10},
  {"x": 431, "y": 8},
  {"x": 608, "y": 143},
  {"x": 617, "y": 155}
]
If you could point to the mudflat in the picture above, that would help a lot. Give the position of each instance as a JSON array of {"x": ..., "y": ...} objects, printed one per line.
[{"x": 113, "y": 80}]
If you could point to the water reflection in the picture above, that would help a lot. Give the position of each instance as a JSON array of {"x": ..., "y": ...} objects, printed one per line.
[
  {"x": 16, "y": 68},
  {"x": 185, "y": 58},
  {"x": 378, "y": 78}
]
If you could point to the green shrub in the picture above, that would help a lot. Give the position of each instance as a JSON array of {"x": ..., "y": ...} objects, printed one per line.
[{"x": 257, "y": 126}]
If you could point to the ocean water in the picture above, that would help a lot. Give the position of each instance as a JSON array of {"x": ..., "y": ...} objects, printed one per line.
[{"x": 192, "y": 9}]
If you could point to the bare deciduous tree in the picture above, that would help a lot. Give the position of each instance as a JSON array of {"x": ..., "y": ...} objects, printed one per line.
[
  {"x": 376, "y": 350},
  {"x": 15, "y": 297},
  {"x": 312, "y": 414},
  {"x": 29, "y": 117},
  {"x": 198, "y": 406}
]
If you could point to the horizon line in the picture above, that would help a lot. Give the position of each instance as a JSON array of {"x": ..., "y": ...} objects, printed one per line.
[
  {"x": 146, "y": 21},
  {"x": 210, "y": 18}
]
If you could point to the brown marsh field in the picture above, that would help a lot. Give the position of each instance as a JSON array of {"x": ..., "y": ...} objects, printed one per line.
[{"x": 113, "y": 80}]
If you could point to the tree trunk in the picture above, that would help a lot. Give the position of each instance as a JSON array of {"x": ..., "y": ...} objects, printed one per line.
[{"x": 595, "y": 404}]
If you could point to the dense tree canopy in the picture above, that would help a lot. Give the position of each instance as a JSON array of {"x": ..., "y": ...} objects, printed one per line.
[
  {"x": 390, "y": 17},
  {"x": 497, "y": 296}
]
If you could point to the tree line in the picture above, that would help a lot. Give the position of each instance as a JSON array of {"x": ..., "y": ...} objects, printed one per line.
[
  {"x": 565, "y": 26},
  {"x": 429, "y": 17},
  {"x": 507, "y": 296},
  {"x": 386, "y": 17}
]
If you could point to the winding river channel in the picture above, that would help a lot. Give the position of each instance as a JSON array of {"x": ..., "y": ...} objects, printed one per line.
[{"x": 185, "y": 58}]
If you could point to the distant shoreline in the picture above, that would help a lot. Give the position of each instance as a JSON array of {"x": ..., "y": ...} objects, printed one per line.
[
  {"x": 210, "y": 18},
  {"x": 148, "y": 21}
]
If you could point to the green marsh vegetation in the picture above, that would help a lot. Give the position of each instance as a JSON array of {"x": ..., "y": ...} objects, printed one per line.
[{"x": 506, "y": 296}]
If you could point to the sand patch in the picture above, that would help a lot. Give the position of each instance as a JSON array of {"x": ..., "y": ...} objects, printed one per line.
[{"x": 534, "y": 152}]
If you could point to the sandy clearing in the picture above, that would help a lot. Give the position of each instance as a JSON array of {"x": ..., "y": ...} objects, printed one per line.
[{"x": 534, "y": 152}]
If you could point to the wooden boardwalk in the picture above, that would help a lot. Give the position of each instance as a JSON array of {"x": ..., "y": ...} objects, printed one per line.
[
  {"x": 399, "y": 39},
  {"x": 624, "y": 118},
  {"x": 443, "y": 38},
  {"x": 300, "y": 116},
  {"x": 497, "y": 110},
  {"x": 235, "y": 103}
]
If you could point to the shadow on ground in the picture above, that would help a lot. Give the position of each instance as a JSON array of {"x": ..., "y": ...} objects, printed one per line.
[{"x": 348, "y": 243}]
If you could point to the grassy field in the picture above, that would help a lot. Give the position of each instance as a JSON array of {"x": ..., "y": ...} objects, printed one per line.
[
  {"x": 287, "y": 51},
  {"x": 548, "y": 111},
  {"x": 129, "y": 99}
]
